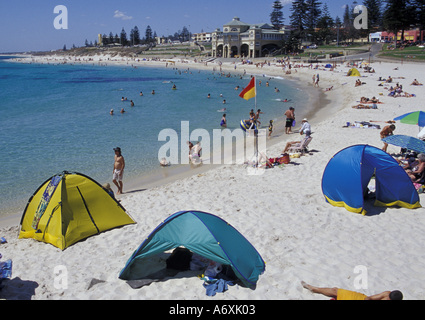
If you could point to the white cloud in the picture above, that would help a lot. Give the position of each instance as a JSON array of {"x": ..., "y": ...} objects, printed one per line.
[{"x": 121, "y": 15}]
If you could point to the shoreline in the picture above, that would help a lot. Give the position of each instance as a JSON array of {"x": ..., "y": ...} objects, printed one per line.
[
  {"x": 282, "y": 213},
  {"x": 162, "y": 176}
]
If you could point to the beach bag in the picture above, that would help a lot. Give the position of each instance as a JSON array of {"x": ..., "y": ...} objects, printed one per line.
[
  {"x": 284, "y": 159},
  {"x": 180, "y": 259}
]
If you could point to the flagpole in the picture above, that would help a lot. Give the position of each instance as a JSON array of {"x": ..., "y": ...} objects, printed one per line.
[
  {"x": 256, "y": 125},
  {"x": 255, "y": 86}
]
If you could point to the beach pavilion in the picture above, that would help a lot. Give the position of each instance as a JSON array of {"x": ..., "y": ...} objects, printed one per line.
[{"x": 240, "y": 39}]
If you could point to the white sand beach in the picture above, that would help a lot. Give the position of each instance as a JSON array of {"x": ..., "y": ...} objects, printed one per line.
[{"x": 282, "y": 212}]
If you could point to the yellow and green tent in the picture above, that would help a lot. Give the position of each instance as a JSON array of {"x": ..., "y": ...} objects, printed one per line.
[
  {"x": 70, "y": 207},
  {"x": 353, "y": 72}
]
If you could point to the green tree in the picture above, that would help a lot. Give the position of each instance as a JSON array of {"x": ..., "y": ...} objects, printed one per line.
[
  {"x": 398, "y": 16},
  {"x": 123, "y": 37},
  {"x": 105, "y": 40},
  {"x": 374, "y": 14},
  {"x": 276, "y": 17},
  {"x": 297, "y": 19},
  {"x": 312, "y": 15},
  {"x": 185, "y": 34},
  {"x": 420, "y": 13},
  {"x": 325, "y": 25},
  {"x": 135, "y": 36},
  {"x": 148, "y": 34}
]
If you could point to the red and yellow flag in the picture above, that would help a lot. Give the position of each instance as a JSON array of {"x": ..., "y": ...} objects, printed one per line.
[{"x": 249, "y": 92}]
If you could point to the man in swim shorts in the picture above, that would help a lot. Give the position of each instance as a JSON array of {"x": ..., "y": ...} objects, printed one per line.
[
  {"x": 342, "y": 294},
  {"x": 387, "y": 131},
  {"x": 290, "y": 117},
  {"x": 118, "y": 172}
]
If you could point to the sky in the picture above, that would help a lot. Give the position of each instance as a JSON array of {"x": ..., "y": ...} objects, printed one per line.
[{"x": 28, "y": 25}]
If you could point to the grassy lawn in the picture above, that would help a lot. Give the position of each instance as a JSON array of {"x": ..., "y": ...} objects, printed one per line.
[{"x": 408, "y": 53}]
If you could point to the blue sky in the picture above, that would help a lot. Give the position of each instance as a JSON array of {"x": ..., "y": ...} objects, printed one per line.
[{"x": 28, "y": 25}]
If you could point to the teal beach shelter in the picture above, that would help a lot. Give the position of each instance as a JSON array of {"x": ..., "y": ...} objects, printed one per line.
[
  {"x": 347, "y": 175},
  {"x": 204, "y": 234}
]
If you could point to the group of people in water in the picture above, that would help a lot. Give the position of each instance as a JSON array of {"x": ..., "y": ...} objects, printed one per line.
[{"x": 124, "y": 99}]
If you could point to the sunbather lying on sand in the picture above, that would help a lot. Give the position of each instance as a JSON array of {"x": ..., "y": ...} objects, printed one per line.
[
  {"x": 367, "y": 100},
  {"x": 362, "y": 106},
  {"x": 416, "y": 83},
  {"x": 342, "y": 294}
]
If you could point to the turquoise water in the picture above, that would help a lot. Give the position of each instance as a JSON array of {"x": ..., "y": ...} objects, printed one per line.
[{"x": 56, "y": 118}]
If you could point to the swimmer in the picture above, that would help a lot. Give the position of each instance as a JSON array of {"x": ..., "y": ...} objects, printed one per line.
[
  {"x": 223, "y": 122},
  {"x": 111, "y": 112}
]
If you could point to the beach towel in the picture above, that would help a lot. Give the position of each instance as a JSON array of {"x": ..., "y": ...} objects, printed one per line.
[
  {"x": 6, "y": 269},
  {"x": 349, "y": 295},
  {"x": 44, "y": 202},
  {"x": 220, "y": 285}
]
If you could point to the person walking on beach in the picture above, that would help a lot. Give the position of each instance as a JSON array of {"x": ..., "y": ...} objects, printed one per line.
[
  {"x": 270, "y": 128},
  {"x": 118, "y": 172},
  {"x": 387, "y": 131},
  {"x": 342, "y": 294},
  {"x": 290, "y": 117}
]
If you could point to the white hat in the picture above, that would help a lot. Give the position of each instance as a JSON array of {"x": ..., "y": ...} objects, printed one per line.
[{"x": 305, "y": 119}]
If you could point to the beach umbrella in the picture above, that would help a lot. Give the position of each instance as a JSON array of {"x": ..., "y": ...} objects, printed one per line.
[
  {"x": 407, "y": 142},
  {"x": 417, "y": 117}
]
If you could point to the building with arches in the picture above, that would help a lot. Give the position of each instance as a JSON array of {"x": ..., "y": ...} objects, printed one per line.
[{"x": 240, "y": 39}]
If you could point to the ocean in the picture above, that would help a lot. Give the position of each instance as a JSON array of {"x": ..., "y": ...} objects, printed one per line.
[{"x": 56, "y": 118}]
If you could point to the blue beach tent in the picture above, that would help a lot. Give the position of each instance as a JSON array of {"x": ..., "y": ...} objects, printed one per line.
[
  {"x": 203, "y": 234},
  {"x": 347, "y": 175}
]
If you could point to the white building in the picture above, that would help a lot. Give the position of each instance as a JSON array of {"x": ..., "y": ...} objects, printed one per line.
[
  {"x": 375, "y": 37},
  {"x": 240, "y": 39},
  {"x": 202, "y": 37}
]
